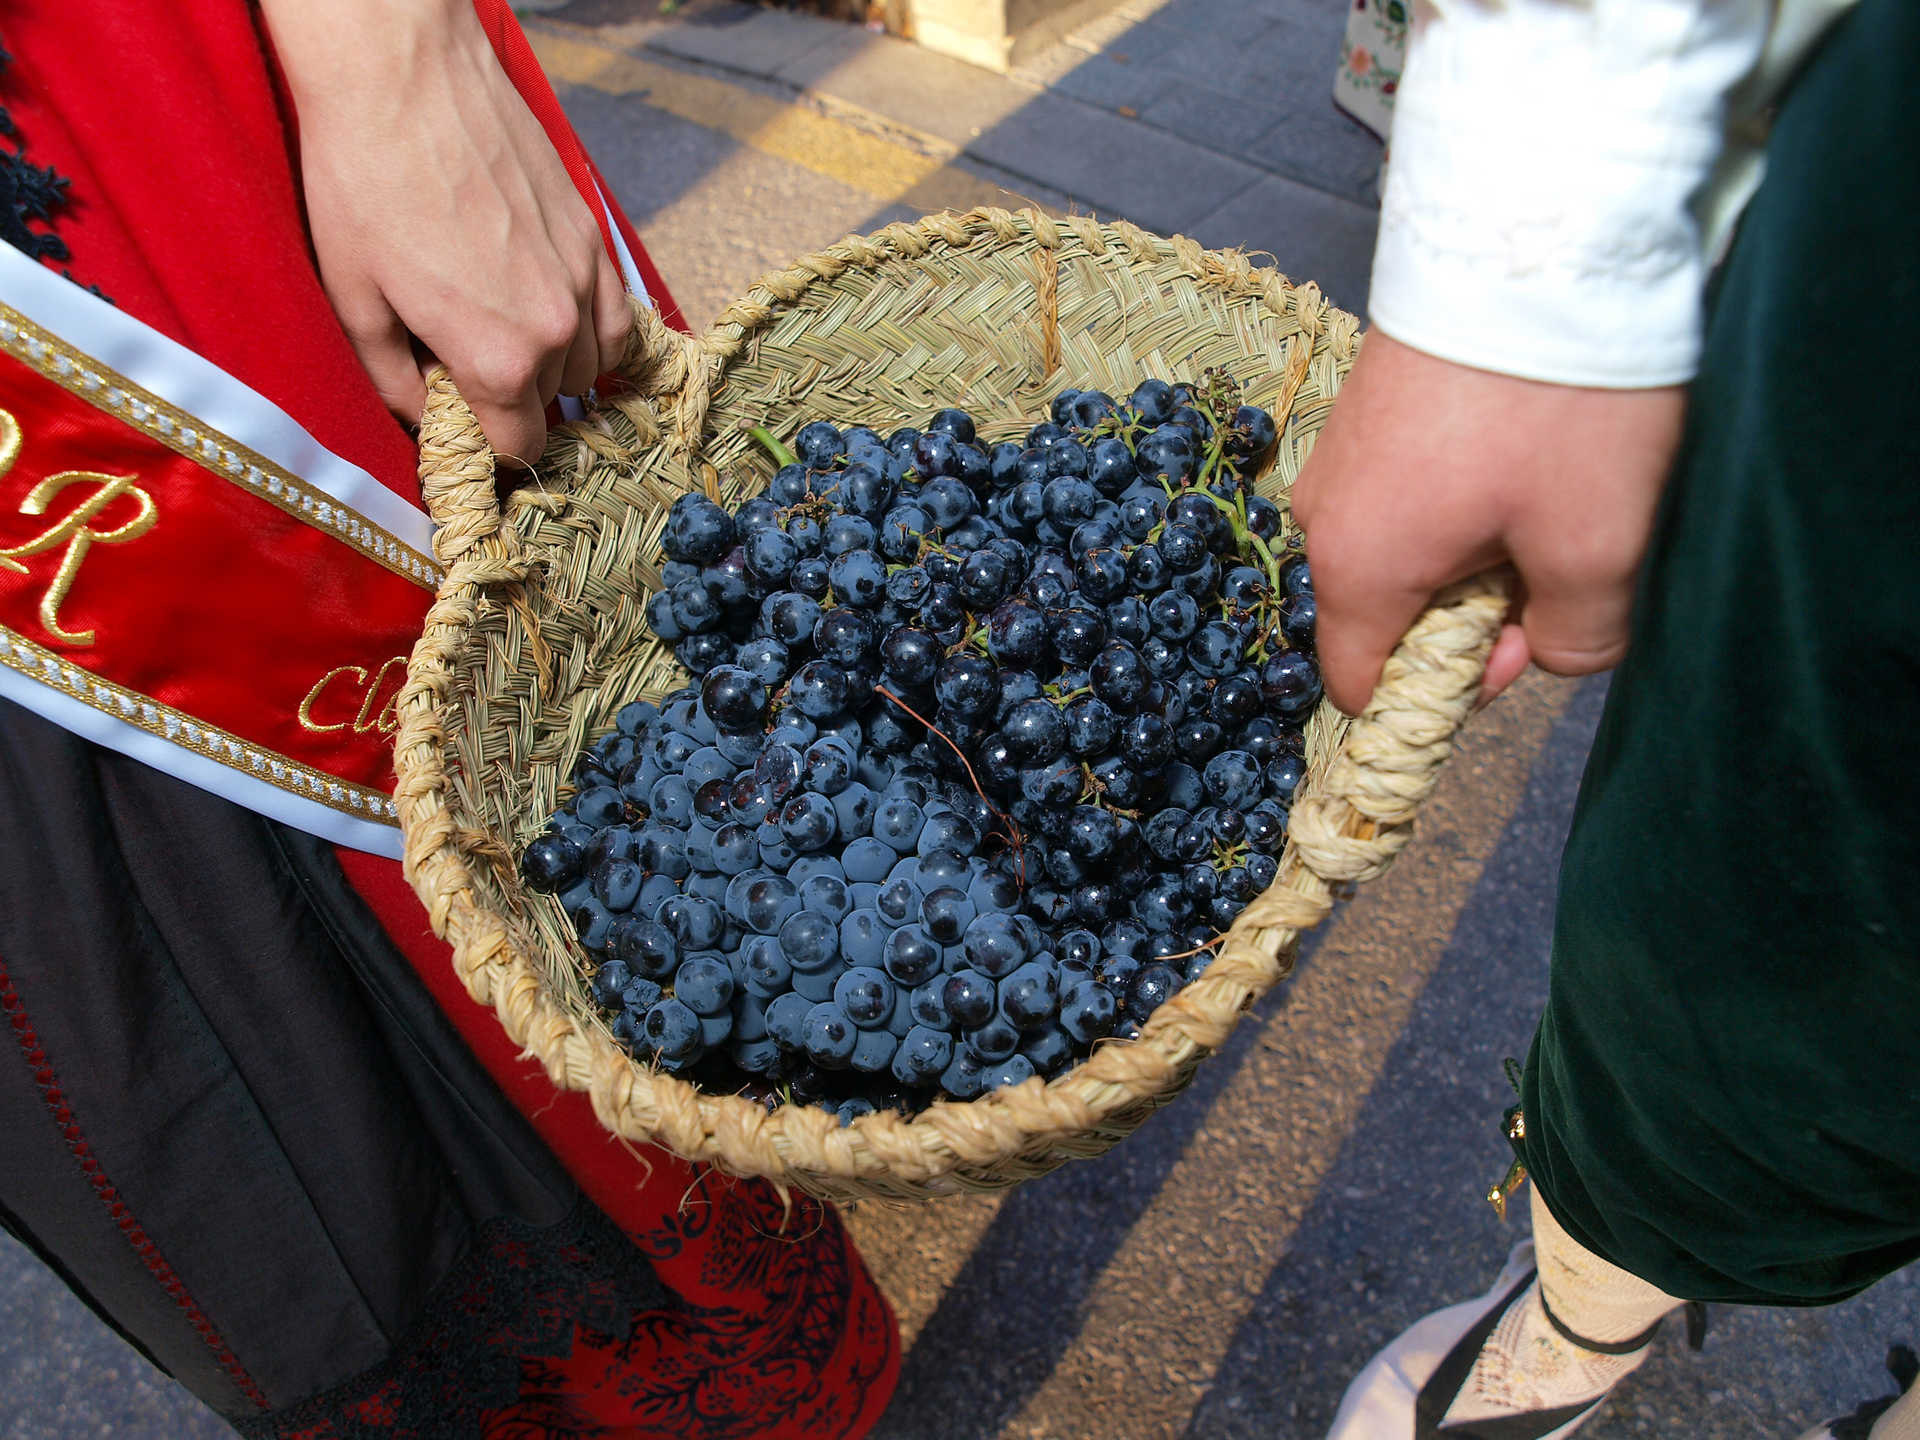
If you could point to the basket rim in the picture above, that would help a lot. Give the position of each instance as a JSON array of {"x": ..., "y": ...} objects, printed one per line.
[{"x": 1351, "y": 818}]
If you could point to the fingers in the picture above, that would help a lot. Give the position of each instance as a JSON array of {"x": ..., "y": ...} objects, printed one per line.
[
  {"x": 516, "y": 427},
  {"x": 1579, "y": 568},
  {"x": 1369, "y": 583},
  {"x": 507, "y": 386},
  {"x": 1575, "y": 628},
  {"x": 1358, "y": 627},
  {"x": 581, "y": 366},
  {"x": 1427, "y": 472},
  {"x": 386, "y": 352},
  {"x": 565, "y": 359},
  {"x": 545, "y": 348},
  {"x": 612, "y": 315},
  {"x": 564, "y": 355},
  {"x": 1375, "y": 569},
  {"x": 1507, "y": 662}
]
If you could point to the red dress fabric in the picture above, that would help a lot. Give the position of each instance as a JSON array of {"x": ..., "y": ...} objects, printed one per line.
[{"x": 175, "y": 135}]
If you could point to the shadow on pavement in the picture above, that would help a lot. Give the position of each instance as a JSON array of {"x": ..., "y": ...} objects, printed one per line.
[
  {"x": 1207, "y": 118},
  {"x": 1013, "y": 1309}
]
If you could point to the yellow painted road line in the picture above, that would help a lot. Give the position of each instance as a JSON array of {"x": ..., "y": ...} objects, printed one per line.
[
  {"x": 1164, "y": 1311},
  {"x": 887, "y": 169}
]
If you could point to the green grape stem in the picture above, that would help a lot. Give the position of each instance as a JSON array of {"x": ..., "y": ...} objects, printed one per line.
[
  {"x": 1268, "y": 562},
  {"x": 770, "y": 442}
]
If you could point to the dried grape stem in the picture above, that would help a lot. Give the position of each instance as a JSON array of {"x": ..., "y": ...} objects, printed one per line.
[
  {"x": 1013, "y": 830},
  {"x": 1189, "y": 954}
]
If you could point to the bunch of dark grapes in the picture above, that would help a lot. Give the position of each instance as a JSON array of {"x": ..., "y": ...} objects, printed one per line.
[{"x": 987, "y": 746}]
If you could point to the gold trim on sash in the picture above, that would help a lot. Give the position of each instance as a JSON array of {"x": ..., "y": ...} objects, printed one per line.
[
  {"x": 218, "y": 454},
  {"x": 178, "y": 728}
]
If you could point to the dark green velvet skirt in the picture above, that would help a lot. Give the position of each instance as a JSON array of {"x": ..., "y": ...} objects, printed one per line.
[{"x": 1724, "y": 1093}]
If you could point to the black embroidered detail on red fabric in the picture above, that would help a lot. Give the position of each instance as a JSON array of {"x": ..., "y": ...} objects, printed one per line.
[
  {"x": 522, "y": 1295},
  {"x": 28, "y": 195},
  {"x": 804, "y": 1351},
  {"x": 571, "y": 1333}
]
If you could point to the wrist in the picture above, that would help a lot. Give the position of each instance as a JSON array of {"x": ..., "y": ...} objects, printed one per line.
[{"x": 364, "y": 48}]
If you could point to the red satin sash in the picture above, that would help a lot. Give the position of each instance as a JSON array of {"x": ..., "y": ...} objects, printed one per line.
[{"x": 169, "y": 584}]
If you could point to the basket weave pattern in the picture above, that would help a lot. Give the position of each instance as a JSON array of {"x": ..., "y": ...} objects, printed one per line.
[{"x": 538, "y": 637}]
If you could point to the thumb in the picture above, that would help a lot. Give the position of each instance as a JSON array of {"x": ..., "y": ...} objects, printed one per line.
[{"x": 1506, "y": 662}]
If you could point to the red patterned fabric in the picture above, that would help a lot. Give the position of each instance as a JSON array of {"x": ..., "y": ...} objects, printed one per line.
[
  {"x": 537, "y": 1337},
  {"x": 173, "y": 131}
]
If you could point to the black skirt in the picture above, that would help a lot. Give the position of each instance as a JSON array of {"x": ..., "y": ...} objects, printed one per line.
[{"x": 237, "y": 1125}]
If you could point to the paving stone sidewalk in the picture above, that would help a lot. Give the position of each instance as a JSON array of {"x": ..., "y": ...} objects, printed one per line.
[{"x": 1209, "y": 118}]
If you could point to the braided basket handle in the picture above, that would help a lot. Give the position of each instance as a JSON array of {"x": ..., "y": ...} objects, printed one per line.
[
  {"x": 457, "y": 465},
  {"x": 1350, "y": 826}
]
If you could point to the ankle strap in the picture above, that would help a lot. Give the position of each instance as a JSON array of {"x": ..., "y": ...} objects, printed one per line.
[{"x": 1599, "y": 1347}]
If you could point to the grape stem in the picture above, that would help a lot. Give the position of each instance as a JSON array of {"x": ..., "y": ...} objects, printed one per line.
[
  {"x": 1189, "y": 954},
  {"x": 771, "y": 444},
  {"x": 1013, "y": 830}
]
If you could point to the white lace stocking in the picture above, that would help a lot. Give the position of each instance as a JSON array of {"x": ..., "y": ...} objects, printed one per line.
[
  {"x": 1527, "y": 1365},
  {"x": 1592, "y": 1297}
]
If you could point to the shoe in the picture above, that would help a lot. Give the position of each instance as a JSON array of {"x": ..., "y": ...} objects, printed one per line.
[
  {"x": 1903, "y": 1365},
  {"x": 1405, "y": 1391}
]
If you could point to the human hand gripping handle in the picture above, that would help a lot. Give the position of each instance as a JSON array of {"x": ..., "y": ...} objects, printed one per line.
[
  {"x": 442, "y": 219},
  {"x": 1428, "y": 472}
]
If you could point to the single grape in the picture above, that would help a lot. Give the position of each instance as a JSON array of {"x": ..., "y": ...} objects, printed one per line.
[
  {"x": 993, "y": 1041},
  {"x": 1088, "y": 1011},
  {"x": 1152, "y": 987},
  {"x": 704, "y": 985},
  {"x": 1030, "y": 996},
  {"x": 1013, "y": 1070},
  {"x": 969, "y": 998},
  {"x": 673, "y": 1030},
  {"x": 827, "y": 1035},
  {"x": 865, "y": 996}
]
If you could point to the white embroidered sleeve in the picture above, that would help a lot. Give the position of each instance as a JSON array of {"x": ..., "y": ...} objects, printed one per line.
[{"x": 1539, "y": 216}]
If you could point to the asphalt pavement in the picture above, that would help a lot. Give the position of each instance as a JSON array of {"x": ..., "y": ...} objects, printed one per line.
[{"x": 1224, "y": 1271}]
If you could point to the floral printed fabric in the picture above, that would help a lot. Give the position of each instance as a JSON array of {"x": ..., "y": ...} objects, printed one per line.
[
  {"x": 569, "y": 1333},
  {"x": 1370, "y": 61}
]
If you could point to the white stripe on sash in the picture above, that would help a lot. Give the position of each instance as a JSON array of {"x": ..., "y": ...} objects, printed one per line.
[
  {"x": 570, "y": 406},
  {"x": 229, "y": 782},
  {"x": 629, "y": 271},
  {"x": 174, "y": 373}
]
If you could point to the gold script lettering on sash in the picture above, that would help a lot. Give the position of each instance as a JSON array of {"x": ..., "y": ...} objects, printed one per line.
[
  {"x": 75, "y": 529},
  {"x": 385, "y": 719}
]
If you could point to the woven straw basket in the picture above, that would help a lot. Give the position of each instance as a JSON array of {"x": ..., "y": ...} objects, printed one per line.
[{"x": 538, "y": 637}]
